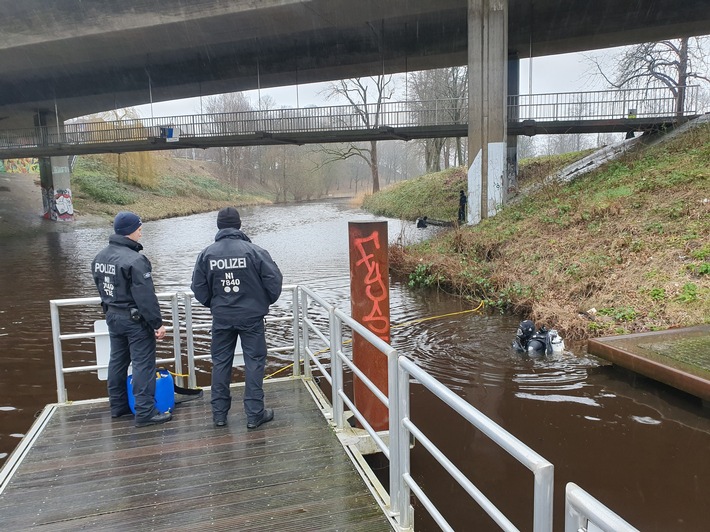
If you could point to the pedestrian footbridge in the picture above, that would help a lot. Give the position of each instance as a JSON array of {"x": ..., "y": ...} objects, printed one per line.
[{"x": 557, "y": 113}]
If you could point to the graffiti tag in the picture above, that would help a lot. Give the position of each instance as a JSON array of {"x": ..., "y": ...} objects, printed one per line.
[{"x": 375, "y": 289}]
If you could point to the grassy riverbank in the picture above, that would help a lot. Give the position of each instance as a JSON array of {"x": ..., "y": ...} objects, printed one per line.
[
  {"x": 624, "y": 249},
  {"x": 174, "y": 187}
]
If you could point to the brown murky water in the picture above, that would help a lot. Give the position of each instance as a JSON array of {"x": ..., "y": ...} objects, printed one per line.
[{"x": 639, "y": 447}]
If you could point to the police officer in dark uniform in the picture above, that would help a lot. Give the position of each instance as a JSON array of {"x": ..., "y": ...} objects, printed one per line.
[
  {"x": 238, "y": 281},
  {"x": 463, "y": 203},
  {"x": 123, "y": 277}
]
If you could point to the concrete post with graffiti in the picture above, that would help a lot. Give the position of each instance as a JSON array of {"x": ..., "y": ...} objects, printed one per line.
[
  {"x": 54, "y": 177},
  {"x": 370, "y": 306},
  {"x": 54, "y": 172}
]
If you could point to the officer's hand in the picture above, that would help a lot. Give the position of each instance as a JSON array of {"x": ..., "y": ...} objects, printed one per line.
[{"x": 160, "y": 333}]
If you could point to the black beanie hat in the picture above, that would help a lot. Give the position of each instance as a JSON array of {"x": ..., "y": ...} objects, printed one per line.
[
  {"x": 229, "y": 217},
  {"x": 126, "y": 223}
]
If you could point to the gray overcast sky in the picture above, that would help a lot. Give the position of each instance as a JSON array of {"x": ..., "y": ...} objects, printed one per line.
[{"x": 561, "y": 73}]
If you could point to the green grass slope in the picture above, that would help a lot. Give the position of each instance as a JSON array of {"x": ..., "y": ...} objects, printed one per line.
[
  {"x": 174, "y": 187},
  {"x": 620, "y": 250}
]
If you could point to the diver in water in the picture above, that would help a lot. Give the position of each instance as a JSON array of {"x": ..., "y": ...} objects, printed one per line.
[{"x": 530, "y": 341}]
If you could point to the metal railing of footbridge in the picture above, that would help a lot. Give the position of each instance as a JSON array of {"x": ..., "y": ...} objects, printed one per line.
[
  {"x": 629, "y": 104},
  {"x": 617, "y": 110}
]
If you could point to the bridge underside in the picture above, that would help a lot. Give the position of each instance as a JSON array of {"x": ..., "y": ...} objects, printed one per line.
[
  {"x": 85, "y": 57},
  {"x": 264, "y": 138}
]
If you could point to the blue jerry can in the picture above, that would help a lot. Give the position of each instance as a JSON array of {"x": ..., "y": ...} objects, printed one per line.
[{"x": 164, "y": 392}]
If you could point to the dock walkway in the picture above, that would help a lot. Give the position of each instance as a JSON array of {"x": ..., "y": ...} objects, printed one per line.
[{"x": 87, "y": 471}]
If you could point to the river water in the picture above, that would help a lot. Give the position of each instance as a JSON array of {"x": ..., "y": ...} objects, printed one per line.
[{"x": 639, "y": 447}]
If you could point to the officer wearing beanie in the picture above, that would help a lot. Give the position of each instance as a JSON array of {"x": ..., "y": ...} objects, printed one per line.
[
  {"x": 238, "y": 281},
  {"x": 123, "y": 276}
]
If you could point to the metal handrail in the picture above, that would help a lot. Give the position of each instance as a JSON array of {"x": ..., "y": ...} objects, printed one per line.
[
  {"x": 58, "y": 337},
  {"x": 174, "y": 297},
  {"x": 542, "y": 470},
  {"x": 649, "y": 102},
  {"x": 656, "y": 102},
  {"x": 190, "y": 326},
  {"x": 581, "y": 508}
]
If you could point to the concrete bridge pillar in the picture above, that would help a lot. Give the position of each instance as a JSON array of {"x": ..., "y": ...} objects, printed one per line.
[
  {"x": 513, "y": 113},
  {"x": 54, "y": 172},
  {"x": 487, "y": 88}
]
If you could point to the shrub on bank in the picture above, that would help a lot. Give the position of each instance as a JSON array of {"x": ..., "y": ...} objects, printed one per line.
[{"x": 102, "y": 189}]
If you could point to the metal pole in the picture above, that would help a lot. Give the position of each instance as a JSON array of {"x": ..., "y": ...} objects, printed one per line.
[
  {"x": 296, "y": 309},
  {"x": 370, "y": 304},
  {"x": 336, "y": 364},
  {"x": 306, "y": 341},
  {"x": 58, "y": 362},
  {"x": 176, "y": 338},
  {"x": 192, "y": 379},
  {"x": 395, "y": 421},
  {"x": 405, "y": 514}
]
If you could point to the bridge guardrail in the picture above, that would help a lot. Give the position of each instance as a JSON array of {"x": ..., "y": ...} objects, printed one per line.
[{"x": 570, "y": 106}]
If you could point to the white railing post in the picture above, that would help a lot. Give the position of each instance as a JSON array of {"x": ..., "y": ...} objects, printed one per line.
[
  {"x": 336, "y": 369},
  {"x": 306, "y": 341},
  {"x": 582, "y": 510},
  {"x": 542, "y": 498},
  {"x": 296, "y": 311},
  {"x": 403, "y": 507},
  {"x": 176, "y": 338},
  {"x": 393, "y": 393},
  {"x": 192, "y": 379},
  {"x": 58, "y": 361}
]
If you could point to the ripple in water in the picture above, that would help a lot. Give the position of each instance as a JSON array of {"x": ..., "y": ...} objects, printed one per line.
[{"x": 645, "y": 420}]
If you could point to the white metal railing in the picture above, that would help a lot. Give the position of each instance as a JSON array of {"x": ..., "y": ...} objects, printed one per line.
[
  {"x": 582, "y": 512},
  {"x": 58, "y": 337},
  {"x": 650, "y": 102},
  {"x": 400, "y": 371},
  {"x": 189, "y": 326},
  {"x": 656, "y": 102},
  {"x": 542, "y": 470}
]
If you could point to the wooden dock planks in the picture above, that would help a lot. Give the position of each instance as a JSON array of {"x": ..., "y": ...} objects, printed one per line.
[{"x": 89, "y": 471}]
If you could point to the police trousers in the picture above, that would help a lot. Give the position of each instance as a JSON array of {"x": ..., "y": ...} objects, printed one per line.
[
  {"x": 224, "y": 341},
  {"x": 131, "y": 343}
]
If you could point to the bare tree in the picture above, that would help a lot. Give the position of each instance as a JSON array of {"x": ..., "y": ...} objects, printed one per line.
[
  {"x": 134, "y": 168},
  {"x": 365, "y": 96},
  {"x": 236, "y": 161},
  {"x": 442, "y": 92},
  {"x": 672, "y": 64},
  {"x": 526, "y": 147}
]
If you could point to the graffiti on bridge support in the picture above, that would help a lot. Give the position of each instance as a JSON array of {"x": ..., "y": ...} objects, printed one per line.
[{"x": 370, "y": 306}]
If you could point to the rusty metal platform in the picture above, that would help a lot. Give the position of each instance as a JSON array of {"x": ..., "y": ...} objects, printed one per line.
[
  {"x": 677, "y": 357},
  {"x": 87, "y": 471}
]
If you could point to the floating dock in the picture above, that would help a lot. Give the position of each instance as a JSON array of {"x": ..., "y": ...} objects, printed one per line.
[
  {"x": 81, "y": 469},
  {"x": 676, "y": 357}
]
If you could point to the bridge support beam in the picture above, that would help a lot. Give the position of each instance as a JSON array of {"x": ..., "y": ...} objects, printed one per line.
[
  {"x": 54, "y": 172},
  {"x": 487, "y": 87}
]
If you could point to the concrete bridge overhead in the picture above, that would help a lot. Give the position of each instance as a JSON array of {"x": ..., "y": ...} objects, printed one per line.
[{"x": 84, "y": 57}]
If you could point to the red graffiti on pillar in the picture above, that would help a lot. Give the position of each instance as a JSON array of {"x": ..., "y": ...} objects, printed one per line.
[
  {"x": 369, "y": 294},
  {"x": 375, "y": 287}
]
